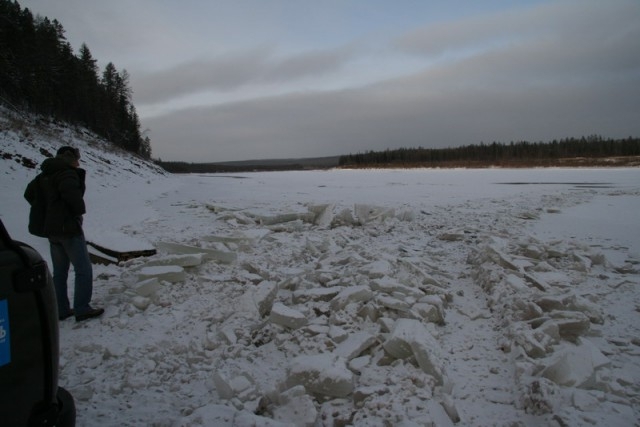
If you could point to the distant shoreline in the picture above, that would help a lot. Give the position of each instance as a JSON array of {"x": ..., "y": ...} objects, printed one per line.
[{"x": 332, "y": 163}]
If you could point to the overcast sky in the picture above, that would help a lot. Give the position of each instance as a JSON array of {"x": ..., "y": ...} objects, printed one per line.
[{"x": 256, "y": 79}]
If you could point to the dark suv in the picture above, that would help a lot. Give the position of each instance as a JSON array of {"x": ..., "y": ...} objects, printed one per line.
[{"x": 29, "y": 392}]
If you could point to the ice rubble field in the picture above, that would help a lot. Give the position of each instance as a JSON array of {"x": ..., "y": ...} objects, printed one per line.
[{"x": 397, "y": 298}]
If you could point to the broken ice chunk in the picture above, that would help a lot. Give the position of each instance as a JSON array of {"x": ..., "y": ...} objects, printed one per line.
[
  {"x": 184, "y": 260},
  {"x": 368, "y": 213},
  {"x": 170, "y": 273},
  {"x": 355, "y": 344},
  {"x": 296, "y": 407},
  {"x": 377, "y": 269},
  {"x": 322, "y": 374},
  {"x": 390, "y": 286},
  {"x": 147, "y": 287},
  {"x": 409, "y": 337},
  {"x": 213, "y": 254},
  {"x": 575, "y": 365},
  {"x": 571, "y": 324},
  {"x": 264, "y": 296},
  {"x": 358, "y": 293},
  {"x": 285, "y": 316}
]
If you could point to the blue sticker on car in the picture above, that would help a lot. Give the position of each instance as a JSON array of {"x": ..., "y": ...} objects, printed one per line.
[{"x": 5, "y": 337}]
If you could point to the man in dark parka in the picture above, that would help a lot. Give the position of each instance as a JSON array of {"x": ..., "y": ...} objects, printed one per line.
[{"x": 56, "y": 197}]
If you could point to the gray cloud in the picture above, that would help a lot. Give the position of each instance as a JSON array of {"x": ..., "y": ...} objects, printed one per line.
[
  {"x": 308, "y": 64},
  {"x": 223, "y": 74},
  {"x": 571, "y": 81},
  {"x": 553, "y": 69},
  {"x": 396, "y": 114},
  {"x": 230, "y": 72},
  {"x": 557, "y": 22}
]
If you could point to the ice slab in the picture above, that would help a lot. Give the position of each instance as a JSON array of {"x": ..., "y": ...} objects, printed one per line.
[
  {"x": 169, "y": 273},
  {"x": 213, "y": 254},
  {"x": 355, "y": 344},
  {"x": 322, "y": 374},
  {"x": 264, "y": 296},
  {"x": 186, "y": 260},
  {"x": 359, "y": 293},
  {"x": 410, "y": 337},
  {"x": 576, "y": 365},
  {"x": 285, "y": 316}
]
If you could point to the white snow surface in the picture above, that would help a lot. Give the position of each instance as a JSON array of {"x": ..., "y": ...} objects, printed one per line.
[{"x": 402, "y": 297}]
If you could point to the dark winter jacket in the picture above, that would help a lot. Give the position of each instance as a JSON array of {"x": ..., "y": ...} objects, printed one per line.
[{"x": 56, "y": 199}]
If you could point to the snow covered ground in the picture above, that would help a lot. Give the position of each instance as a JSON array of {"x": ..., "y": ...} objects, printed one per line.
[{"x": 335, "y": 298}]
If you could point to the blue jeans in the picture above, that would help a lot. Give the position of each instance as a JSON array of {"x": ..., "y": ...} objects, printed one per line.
[{"x": 66, "y": 251}]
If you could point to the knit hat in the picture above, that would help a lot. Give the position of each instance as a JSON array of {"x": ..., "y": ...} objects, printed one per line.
[{"x": 68, "y": 154}]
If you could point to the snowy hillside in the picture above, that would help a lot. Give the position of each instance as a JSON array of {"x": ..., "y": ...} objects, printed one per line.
[
  {"x": 365, "y": 298},
  {"x": 25, "y": 141}
]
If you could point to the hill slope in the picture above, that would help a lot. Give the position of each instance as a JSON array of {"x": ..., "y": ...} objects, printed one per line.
[{"x": 25, "y": 141}]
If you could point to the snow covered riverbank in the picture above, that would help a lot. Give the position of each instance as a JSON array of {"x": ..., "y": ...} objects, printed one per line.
[{"x": 424, "y": 297}]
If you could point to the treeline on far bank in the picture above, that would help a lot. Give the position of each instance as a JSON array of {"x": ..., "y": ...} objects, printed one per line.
[
  {"x": 586, "y": 151},
  {"x": 266, "y": 165},
  {"x": 184, "y": 167},
  {"x": 570, "y": 152}
]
